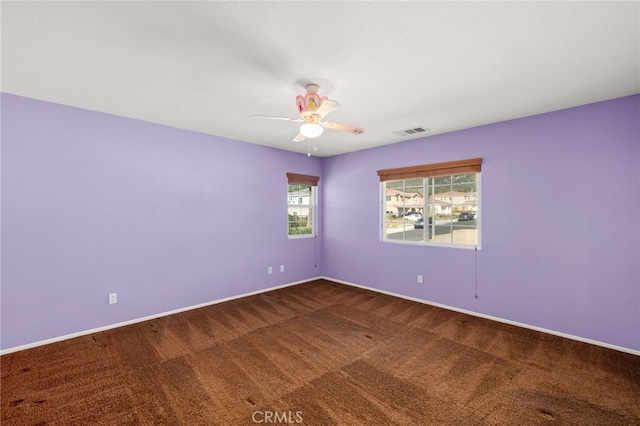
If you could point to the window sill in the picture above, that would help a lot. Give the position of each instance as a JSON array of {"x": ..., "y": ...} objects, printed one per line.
[
  {"x": 422, "y": 244},
  {"x": 299, "y": 237}
]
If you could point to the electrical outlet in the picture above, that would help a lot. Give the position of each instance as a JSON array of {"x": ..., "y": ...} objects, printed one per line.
[
  {"x": 113, "y": 298},
  {"x": 420, "y": 279},
  {"x": 281, "y": 268},
  {"x": 269, "y": 270}
]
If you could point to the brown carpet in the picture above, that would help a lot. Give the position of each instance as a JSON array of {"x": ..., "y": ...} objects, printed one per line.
[{"x": 320, "y": 353}]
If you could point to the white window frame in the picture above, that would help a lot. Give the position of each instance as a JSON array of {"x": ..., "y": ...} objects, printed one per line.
[
  {"x": 293, "y": 201},
  {"x": 426, "y": 241}
]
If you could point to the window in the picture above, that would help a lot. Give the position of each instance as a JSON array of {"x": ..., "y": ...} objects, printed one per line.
[
  {"x": 435, "y": 204},
  {"x": 301, "y": 205}
]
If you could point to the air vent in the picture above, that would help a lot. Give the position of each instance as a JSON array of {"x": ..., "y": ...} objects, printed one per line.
[{"x": 412, "y": 131}]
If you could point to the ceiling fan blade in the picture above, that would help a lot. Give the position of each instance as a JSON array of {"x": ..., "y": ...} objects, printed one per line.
[
  {"x": 326, "y": 107},
  {"x": 343, "y": 127},
  {"x": 299, "y": 138},
  {"x": 270, "y": 117}
]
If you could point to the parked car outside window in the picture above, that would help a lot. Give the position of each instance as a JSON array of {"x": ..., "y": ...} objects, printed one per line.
[
  {"x": 420, "y": 223},
  {"x": 466, "y": 216},
  {"x": 413, "y": 217}
]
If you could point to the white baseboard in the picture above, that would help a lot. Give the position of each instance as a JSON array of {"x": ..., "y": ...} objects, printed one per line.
[
  {"x": 226, "y": 299},
  {"x": 147, "y": 318},
  {"x": 489, "y": 317}
]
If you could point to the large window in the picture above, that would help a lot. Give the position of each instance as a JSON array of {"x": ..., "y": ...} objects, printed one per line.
[
  {"x": 432, "y": 204},
  {"x": 301, "y": 205}
]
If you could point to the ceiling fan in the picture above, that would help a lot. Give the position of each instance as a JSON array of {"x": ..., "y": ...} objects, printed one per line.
[{"x": 312, "y": 109}]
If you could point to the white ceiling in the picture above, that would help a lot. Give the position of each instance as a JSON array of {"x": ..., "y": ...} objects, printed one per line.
[{"x": 208, "y": 66}]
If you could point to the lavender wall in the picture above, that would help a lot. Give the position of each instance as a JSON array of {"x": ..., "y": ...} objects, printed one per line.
[
  {"x": 94, "y": 204},
  {"x": 560, "y": 235}
]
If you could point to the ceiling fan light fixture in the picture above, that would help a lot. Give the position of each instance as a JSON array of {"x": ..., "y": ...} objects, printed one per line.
[{"x": 311, "y": 130}]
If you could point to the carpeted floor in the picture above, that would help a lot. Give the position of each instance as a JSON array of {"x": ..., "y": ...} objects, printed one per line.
[{"x": 320, "y": 353}]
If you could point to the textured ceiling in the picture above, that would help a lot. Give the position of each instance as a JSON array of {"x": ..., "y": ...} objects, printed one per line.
[{"x": 208, "y": 66}]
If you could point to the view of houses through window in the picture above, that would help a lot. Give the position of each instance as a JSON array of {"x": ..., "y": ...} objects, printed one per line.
[
  {"x": 442, "y": 209},
  {"x": 300, "y": 209}
]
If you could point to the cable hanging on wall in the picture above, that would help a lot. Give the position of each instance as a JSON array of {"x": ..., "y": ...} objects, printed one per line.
[{"x": 475, "y": 259}]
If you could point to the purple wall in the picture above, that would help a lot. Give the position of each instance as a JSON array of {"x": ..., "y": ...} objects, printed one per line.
[
  {"x": 94, "y": 204},
  {"x": 560, "y": 235}
]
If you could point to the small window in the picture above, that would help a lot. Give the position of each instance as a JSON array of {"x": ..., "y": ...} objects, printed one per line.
[
  {"x": 301, "y": 205},
  {"x": 437, "y": 204}
]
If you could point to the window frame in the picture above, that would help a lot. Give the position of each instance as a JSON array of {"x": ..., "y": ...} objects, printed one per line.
[
  {"x": 426, "y": 173},
  {"x": 312, "y": 183}
]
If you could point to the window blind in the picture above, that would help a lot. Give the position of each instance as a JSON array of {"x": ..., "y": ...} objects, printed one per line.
[
  {"x": 472, "y": 165},
  {"x": 298, "y": 179}
]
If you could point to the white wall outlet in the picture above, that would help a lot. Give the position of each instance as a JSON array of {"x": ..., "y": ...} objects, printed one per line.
[
  {"x": 113, "y": 298},
  {"x": 281, "y": 268},
  {"x": 420, "y": 279},
  {"x": 269, "y": 270}
]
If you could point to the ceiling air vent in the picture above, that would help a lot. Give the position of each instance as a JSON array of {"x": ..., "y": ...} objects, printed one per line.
[{"x": 412, "y": 131}]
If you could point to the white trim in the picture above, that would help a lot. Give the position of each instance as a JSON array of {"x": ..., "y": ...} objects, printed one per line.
[
  {"x": 423, "y": 244},
  {"x": 147, "y": 318},
  {"x": 489, "y": 317},
  {"x": 313, "y": 210},
  {"x": 401, "y": 296},
  {"x": 427, "y": 242},
  {"x": 299, "y": 236}
]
